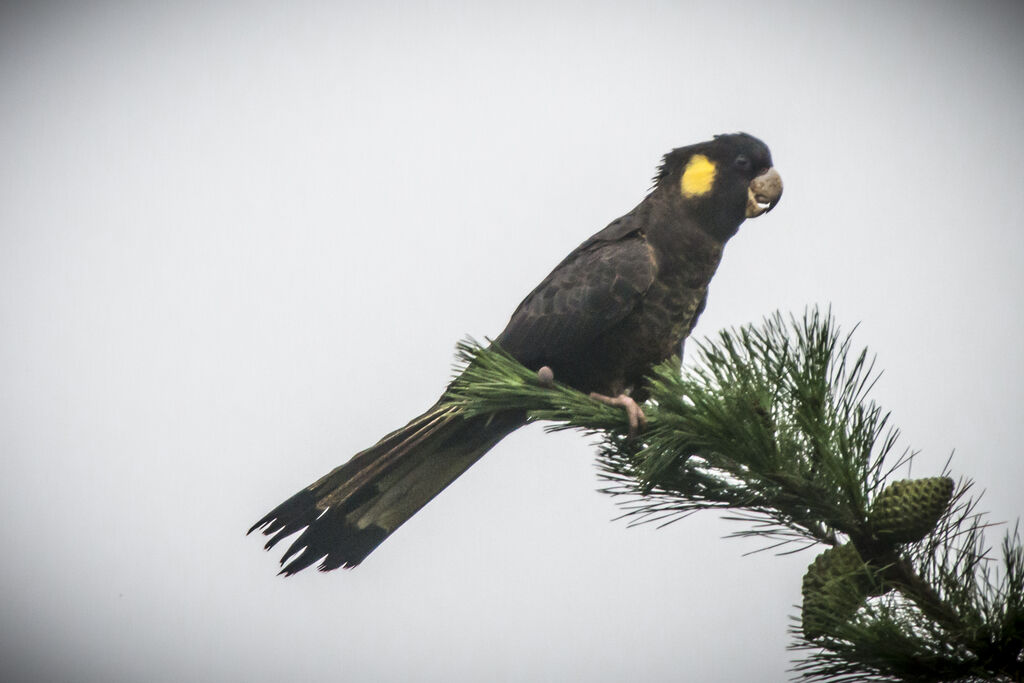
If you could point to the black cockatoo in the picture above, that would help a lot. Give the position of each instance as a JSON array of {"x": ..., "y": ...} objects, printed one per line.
[{"x": 620, "y": 303}]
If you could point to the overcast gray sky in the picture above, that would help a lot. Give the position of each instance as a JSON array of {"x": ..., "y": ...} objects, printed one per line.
[{"x": 238, "y": 242}]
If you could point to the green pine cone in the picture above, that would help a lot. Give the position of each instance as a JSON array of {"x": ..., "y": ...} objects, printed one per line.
[
  {"x": 907, "y": 510},
  {"x": 835, "y": 585}
]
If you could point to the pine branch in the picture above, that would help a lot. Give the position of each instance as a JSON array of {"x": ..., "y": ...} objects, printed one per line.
[{"x": 774, "y": 426}]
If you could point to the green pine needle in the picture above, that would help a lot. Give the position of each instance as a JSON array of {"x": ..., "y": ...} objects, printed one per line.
[{"x": 773, "y": 424}]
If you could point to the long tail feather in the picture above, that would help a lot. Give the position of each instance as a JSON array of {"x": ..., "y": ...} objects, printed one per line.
[{"x": 348, "y": 512}]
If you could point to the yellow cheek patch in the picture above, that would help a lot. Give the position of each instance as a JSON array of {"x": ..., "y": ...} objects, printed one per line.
[{"x": 698, "y": 177}]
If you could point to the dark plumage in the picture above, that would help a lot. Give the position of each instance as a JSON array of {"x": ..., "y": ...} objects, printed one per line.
[{"x": 621, "y": 302}]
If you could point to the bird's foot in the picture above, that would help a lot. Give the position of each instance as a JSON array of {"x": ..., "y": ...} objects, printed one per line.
[
  {"x": 636, "y": 417},
  {"x": 546, "y": 377}
]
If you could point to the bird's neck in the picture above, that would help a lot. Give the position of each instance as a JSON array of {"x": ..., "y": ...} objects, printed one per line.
[{"x": 680, "y": 246}]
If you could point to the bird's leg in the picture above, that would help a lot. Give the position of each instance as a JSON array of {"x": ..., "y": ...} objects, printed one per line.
[
  {"x": 634, "y": 414},
  {"x": 636, "y": 417}
]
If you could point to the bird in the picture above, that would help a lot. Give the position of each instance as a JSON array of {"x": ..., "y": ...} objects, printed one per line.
[{"x": 623, "y": 301}]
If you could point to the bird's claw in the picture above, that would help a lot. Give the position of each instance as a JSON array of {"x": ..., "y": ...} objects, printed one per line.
[{"x": 636, "y": 417}]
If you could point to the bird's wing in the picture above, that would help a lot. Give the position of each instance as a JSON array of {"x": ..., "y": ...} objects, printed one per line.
[{"x": 597, "y": 285}]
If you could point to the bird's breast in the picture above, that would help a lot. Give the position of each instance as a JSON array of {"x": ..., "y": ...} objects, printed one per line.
[{"x": 669, "y": 308}]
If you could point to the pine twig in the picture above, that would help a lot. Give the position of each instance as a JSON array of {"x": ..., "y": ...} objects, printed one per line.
[{"x": 774, "y": 426}]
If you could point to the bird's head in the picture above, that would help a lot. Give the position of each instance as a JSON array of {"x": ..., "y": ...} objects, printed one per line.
[{"x": 721, "y": 182}]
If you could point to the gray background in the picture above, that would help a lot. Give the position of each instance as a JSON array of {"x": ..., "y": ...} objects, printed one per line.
[{"x": 240, "y": 240}]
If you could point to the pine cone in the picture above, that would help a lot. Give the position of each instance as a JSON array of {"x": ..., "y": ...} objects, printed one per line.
[
  {"x": 835, "y": 585},
  {"x": 906, "y": 511}
]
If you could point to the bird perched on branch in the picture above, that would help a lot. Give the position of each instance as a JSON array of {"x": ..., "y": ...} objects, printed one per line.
[{"x": 620, "y": 303}]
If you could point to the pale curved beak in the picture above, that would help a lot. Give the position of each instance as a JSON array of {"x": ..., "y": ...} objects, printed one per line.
[{"x": 763, "y": 193}]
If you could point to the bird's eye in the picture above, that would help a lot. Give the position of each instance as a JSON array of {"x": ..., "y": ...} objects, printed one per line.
[{"x": 742, "y": 162}]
